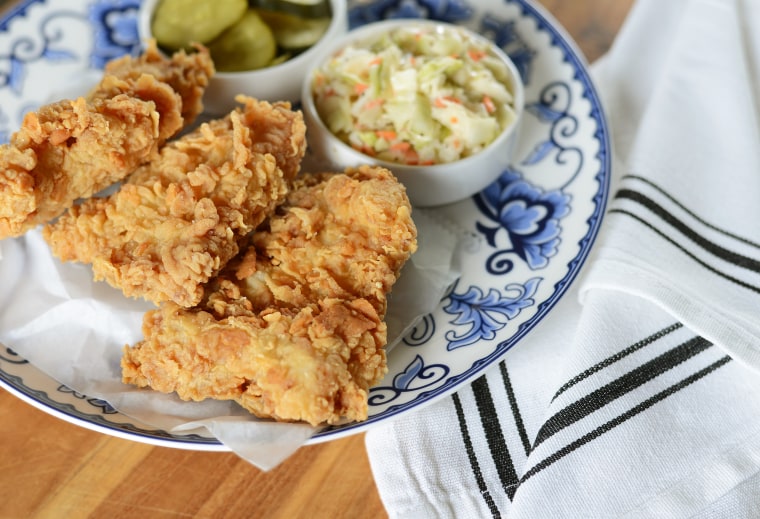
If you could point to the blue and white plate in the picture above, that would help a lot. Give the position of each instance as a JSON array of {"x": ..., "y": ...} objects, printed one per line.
[{"x": 535, "y": 226}]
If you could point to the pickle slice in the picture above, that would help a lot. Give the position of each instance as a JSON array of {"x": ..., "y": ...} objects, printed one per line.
[
  {"x": 247, "y": 45},
  {"x": 303, "y": 9},
  {"x": 294, "y": 32},
  {"x": 175, "y": 25}
]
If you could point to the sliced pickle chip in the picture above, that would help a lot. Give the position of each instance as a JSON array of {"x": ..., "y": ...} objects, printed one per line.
[
  {"x": 176, "y": 26},
  {"x": 282, "y": 58},
  {"x": 294, "y": 32},
  {"x": 247, "y": 45},
  {"x": 303, "y": 8}
]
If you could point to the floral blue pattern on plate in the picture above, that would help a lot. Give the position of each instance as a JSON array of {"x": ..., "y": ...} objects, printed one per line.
[{"x": 531, "y": 230}]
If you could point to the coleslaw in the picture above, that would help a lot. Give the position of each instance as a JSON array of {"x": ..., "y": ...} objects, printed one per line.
[{"x": 416, "y": 96}]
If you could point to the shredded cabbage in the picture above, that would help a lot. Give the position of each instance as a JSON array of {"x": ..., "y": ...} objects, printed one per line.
[{"x": 416, "y": 96}]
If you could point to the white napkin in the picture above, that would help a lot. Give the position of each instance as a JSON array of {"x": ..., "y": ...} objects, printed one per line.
[{"x": 639, "y": 396}]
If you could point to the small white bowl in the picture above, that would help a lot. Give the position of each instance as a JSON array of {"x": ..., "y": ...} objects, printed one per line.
[
  {"x": 276, "y": 83},
  {"x": 427, "y": 185}
]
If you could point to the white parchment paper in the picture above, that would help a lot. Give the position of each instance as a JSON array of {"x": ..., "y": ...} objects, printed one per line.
[{"x": 54, "y": 315}]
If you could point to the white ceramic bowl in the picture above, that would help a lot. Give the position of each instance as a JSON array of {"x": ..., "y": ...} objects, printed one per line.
[
  {"x": 426, "y": 186},
  {"x": 277, "y": 83}
]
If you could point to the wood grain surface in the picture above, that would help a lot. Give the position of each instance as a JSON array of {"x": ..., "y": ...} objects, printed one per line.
[{"x": 52, "y": 469}]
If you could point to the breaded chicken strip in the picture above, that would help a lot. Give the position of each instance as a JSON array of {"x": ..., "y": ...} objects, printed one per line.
[
  {"x": 344, "y": 236},
  {"x": 292, "y": 329},
  {"x": 188, "y": 74},
  {"x": 178, "y": 220},
  {"x": 69, "y": 150},
  {"x": 313, "y": 364},
  {"x": 72, "y": 149}
]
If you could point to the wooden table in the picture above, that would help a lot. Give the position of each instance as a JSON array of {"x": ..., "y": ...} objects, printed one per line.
[{"x": 50, "y": 468}]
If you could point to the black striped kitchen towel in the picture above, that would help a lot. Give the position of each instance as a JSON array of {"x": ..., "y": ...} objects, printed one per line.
[{"x": 639, "y": 395}]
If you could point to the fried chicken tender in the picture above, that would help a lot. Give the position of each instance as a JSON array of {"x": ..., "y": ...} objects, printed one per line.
[
  {"x": 74, "y": 148},
  {"x": 344, "y": 236},
  {"x": 313, "y": 364},
  {"x": 177, "y": 221},
  {"x": 293, "y": 328},
  {"x": 188, "y": 74}
]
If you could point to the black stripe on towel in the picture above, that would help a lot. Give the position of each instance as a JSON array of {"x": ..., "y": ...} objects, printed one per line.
[
  {"x": 713, "y": 248},
  {"x": 692, "y": 213},
  {"x": 473, "y": 458},
  {"x": 515, "y": 409},
  {"x": 712, "y": 269},
  {"x": 489, "y": 418},
  {"x": 599, "y": 431},
  {"x": 619, "y": 387},
  {"x": 616, "y": 357}
]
